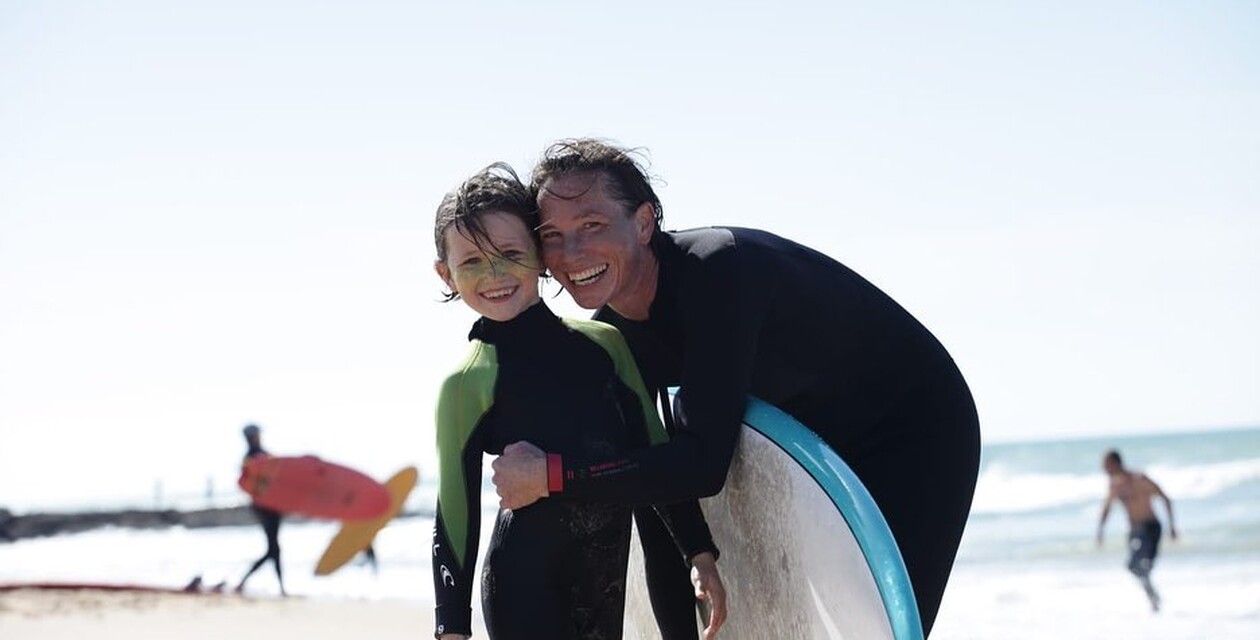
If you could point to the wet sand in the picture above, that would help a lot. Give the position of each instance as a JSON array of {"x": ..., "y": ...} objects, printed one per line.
[{"x": 57, "y": 614}]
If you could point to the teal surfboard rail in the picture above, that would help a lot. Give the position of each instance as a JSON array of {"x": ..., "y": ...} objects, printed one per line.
[{"x": 856, "y": 505}]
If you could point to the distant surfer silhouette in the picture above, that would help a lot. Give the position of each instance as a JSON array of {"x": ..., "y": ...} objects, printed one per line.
[
  {"x": 1136, "y": 492},
  {"x": 270, "y": 520}
]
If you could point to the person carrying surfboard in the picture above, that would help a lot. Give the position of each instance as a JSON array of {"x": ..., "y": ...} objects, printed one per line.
[
  {"x": 270, "y": 520},
  {"x": 554, "y": 569},
  {"x": 723, "y": 313}
]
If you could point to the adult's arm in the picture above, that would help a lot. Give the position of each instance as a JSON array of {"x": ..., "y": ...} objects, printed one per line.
[
  {"x": 1172, "y": 526},
  {"x": 1106, "y": 510},
  {"x": 684, "y": 520},
  {"x": 721, "y": 312}
]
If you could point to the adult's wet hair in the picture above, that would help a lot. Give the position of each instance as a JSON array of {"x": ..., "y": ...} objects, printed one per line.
[
  {"x": 1113, "y": 456},
  {"x": 495, "y": 189},
  {"x": 625, "y": 174}
]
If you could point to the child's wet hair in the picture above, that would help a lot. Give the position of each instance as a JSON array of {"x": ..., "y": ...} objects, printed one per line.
[{"x": 495, "y": 189}]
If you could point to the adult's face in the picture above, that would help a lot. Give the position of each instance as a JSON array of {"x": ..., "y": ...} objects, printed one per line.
[
  {"x": 595, "y": 248},
  {"x": 1110, "y": 466}
]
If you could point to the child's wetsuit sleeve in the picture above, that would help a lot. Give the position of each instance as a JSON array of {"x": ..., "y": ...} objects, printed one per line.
[{"x": 463, "y": 403}]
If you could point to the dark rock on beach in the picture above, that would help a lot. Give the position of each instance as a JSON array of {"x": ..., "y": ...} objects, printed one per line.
[{"x": 36, "y": 525}]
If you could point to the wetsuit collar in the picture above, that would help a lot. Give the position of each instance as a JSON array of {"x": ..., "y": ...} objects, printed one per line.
[
  {"x": 524, "y": 326},
  {"x": 667, "y": 254}
]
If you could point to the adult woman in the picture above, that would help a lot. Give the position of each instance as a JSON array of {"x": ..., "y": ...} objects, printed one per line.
[{"x": 724, "y": 313}]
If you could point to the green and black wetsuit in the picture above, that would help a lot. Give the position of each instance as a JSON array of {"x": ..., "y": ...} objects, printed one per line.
[
  {"x": 554, "y": 569},
  {"x": 741, "y": 311}
]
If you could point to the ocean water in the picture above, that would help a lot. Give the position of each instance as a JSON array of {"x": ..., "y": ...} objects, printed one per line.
[{"x": 1028, "y": 566}]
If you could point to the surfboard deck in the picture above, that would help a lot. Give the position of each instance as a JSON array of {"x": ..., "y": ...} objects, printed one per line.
[
  {"x": 354, "y": 537},
  {"x": 805, "y": 551},
  {"x": 313, "y": 487}
]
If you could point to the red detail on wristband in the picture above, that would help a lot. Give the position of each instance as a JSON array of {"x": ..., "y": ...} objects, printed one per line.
[{"x": 555, "y": 473}]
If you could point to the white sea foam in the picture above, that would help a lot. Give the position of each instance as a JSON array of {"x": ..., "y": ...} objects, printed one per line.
[
  {"x": 1004, "y": 489},
  {"x": 1206, "y": 480},
  {"x": 1100, "y": 600},
  {"x": 171, "y": 557}
]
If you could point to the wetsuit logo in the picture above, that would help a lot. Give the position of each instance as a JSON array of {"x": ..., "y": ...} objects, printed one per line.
[{"x": 447, "y": 578}]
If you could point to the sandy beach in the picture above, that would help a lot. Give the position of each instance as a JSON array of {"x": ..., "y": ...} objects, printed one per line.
[{"x": 27, "y": 614}]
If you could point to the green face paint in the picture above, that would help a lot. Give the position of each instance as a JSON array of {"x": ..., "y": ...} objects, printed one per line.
[
  {"x": 520, "y": 265},
  {"x": 497, "y": 277}
]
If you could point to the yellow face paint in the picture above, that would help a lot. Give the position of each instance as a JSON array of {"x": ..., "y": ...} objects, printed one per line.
[{"x": 487, "y": 265}]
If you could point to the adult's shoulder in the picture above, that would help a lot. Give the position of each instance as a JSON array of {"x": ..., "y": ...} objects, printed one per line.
[{"x": 708, "y": 242}]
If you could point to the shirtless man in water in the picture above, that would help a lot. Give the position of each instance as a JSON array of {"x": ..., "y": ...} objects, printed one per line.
[{"x": 1136, "y": 492}]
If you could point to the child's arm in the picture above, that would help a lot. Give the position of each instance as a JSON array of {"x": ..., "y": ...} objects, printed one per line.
[
  {"x": 462, "y": 404},
  {"x": 455, "y": 558}
]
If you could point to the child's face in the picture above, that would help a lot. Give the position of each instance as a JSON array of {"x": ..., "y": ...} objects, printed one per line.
[{"x": 498, "y": 287}]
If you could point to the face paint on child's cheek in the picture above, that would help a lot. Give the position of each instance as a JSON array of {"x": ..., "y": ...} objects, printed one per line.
[
  {"x": 490, "y": 267},
  {"x": 471, "y": 272},
  {"x": 526, "y": 266},
  {"x": 466, "y": 278}
]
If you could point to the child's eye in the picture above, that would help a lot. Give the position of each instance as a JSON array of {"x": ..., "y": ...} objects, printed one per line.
[
  {"x": 471, "y": 262},
  {"x": 513, "y": 254}
]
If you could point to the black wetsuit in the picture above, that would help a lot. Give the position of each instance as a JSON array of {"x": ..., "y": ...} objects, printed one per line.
[
  {"x": 554, "y": 569},
  {"x": 270, "y": 521},
  {"x": 740, "y": 312}
]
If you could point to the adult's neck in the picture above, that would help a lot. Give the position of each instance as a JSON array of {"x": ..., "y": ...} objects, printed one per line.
[{"x": 640, "y": 290}]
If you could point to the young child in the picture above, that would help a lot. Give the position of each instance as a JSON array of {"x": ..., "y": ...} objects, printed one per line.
[{"x": 555, "y": 569}]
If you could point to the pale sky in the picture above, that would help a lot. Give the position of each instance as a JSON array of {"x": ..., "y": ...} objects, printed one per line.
[{"x": 222, "y": 213}]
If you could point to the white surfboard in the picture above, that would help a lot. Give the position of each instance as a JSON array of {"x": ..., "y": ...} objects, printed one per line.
[{"x": 805, "y": 551}]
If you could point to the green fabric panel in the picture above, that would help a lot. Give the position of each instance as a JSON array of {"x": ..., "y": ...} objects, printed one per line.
[
  {"x": 608, "y": 337},
  {"x": 466, "y": 396}
]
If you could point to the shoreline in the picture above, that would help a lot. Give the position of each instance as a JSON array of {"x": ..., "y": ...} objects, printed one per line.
[{"x": 43, "y": 524}]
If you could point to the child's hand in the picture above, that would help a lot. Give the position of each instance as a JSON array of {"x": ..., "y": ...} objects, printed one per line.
[{"x": 520, "y": 475}]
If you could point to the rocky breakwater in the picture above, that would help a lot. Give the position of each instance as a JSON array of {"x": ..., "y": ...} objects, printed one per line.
[{"x": 15, "y": 527}]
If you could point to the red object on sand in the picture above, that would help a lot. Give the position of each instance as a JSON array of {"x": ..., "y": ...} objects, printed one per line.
[{"x": 313, "y": 487}]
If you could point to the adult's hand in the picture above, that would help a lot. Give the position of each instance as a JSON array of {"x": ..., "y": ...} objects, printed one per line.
[
  {"x": 708, "y": 584},
  {"x": 520, "y": 475}
]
